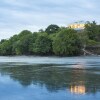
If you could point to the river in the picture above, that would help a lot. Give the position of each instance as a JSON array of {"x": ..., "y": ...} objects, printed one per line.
[{"x": 49, "y": 78}]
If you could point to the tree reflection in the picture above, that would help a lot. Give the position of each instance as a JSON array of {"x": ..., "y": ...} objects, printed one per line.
[{"x": 77, "y": 80}]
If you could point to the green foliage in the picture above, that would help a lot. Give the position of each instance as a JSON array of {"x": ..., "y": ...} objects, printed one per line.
[
  {"x": 52, "y": 29},
  {"x": 92, "y": 43},
  {"x": 82, "y": 35},
  {"x": 41, "y": 30},
  {"x": 66, "y": 43},
  {"x": 16, "y": 45},
  {"x": 32, "y": 40},
  {"x": 24, "y": 33},
  {"x": 93, "y": 31},
  {"x": 6, "y": 48},
  {"x": 42, "y": 45},
  {"x": 54, "y": 40},
  {"x": 3, "y": 40},
  {"x": 23, "y": 44}
]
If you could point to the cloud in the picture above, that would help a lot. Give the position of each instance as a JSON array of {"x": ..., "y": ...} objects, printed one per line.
[{"x": 17, "y": 15}]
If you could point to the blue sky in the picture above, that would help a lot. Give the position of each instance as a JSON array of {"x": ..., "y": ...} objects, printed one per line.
[{"x": 17, "y": 15}]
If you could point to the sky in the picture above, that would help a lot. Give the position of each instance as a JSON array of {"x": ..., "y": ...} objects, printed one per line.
[{"x": 18, "y": 15}]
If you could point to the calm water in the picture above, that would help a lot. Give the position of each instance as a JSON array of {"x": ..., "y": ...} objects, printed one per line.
[{"x": 49, "y": 78}]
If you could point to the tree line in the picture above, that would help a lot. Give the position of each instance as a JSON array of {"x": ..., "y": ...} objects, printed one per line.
[{"x": 54, "y": 40}]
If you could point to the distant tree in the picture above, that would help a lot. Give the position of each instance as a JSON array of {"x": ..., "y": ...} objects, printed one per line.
[
  {"x": 22, "y": 45},
  {"x": 41, "y": 30},
  {"x": 82, "y": 35},
  {"x": 21, "y": 42},
  {"x": 67, "y": 43},
  {"x": 3, "y": 40},
  {"x": 32, "y": 41},
  {"x": 24, "y": 32},
  {"x": 6, "y": 48},
  {"x": 52, "y": 29},
  {"x": 93, "y": 31},
  {"x": 16, "y": 48},
  {"x": 42, "y": 45},
  {"x": 14, "y": 38}
]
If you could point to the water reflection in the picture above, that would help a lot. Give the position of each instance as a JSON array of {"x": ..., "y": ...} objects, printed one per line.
[
  {"x": 77, "y": 80},
  {"x": 78, "y": 89}
]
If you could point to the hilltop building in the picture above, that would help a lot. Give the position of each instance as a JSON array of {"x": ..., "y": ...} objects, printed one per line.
[{"x": 77, "y": 25}]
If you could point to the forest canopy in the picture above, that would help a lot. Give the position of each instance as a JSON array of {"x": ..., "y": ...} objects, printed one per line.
[{"x": 54, "y": 40}]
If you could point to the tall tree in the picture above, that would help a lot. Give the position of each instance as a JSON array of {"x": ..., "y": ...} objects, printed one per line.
[
  {"x": 93, "y": 31},
  {"x": 52, "y": 29},
  {"x": 66, "y": 43},
  {"x": 6, "y": 48},
  {"x": 42, "y": 45}
]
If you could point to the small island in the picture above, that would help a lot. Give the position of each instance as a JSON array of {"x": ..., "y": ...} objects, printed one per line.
[{"x": 54, "y": 40}]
